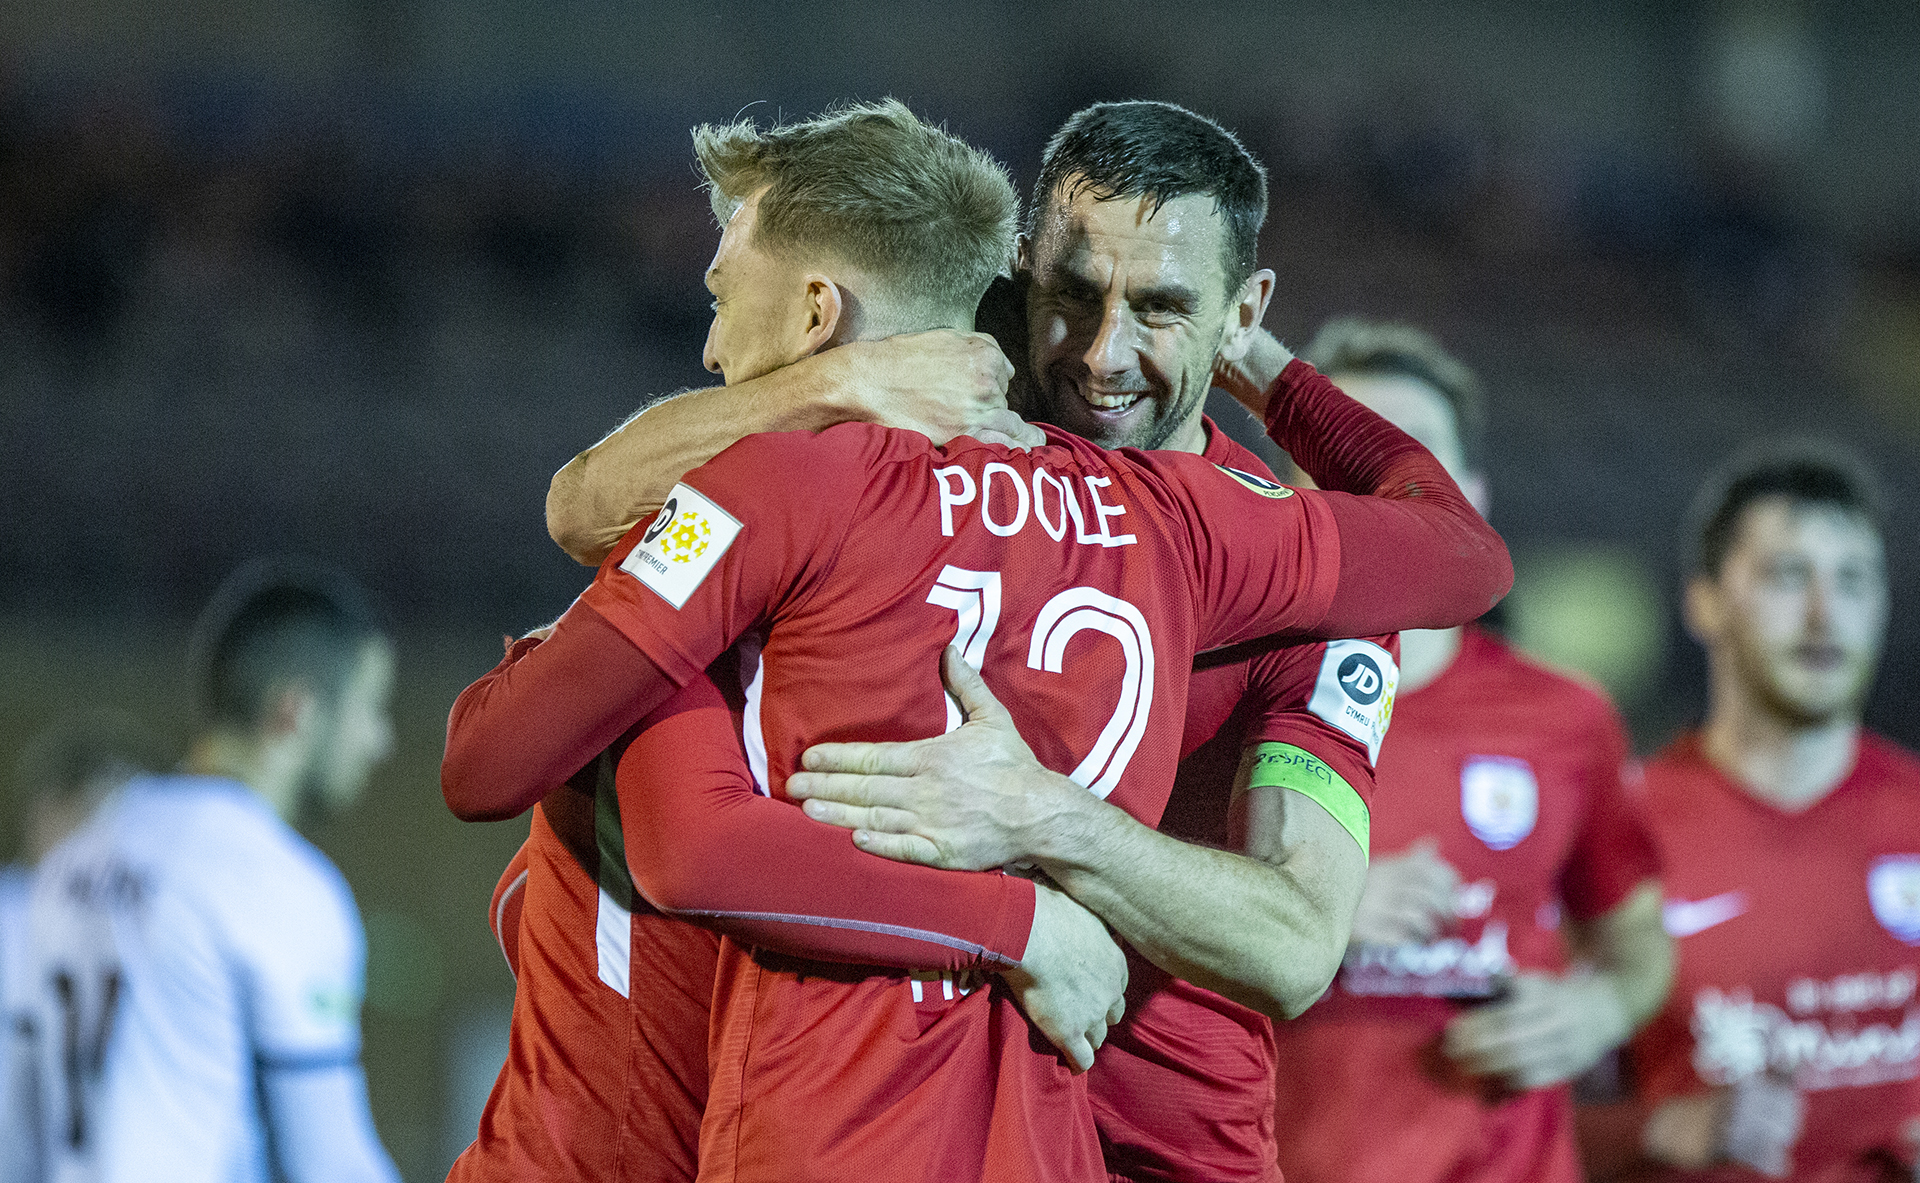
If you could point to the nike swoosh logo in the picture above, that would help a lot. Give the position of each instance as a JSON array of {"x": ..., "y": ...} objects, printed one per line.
[{"x": 1684, "y": 918}]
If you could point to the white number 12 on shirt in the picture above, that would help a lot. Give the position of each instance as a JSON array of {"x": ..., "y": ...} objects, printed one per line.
[{"x": 974, "y": 597}]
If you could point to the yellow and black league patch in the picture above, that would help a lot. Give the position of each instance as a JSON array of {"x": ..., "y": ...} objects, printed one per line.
[{"x": 1258, "y": 484}]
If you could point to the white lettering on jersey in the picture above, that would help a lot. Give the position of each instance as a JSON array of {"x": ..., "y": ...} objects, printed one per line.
[
  {"x": 1002, "y": 529},
  {"x": 958, "y": 489},
  {"x": 1473, "y": 900},
  {"x": 1736, "y": 1038},
  {"x": 1853, "y": 992},
  {"x": 974, "y": 597},
  {"x": 1101, "y": 513},
  {"x": 683, "y": 545},
  {"x": 1355, "y": 691},
  {"x": 1080, "y": 608},
  {"x": 1446, "y": 968},
  {"x": 1685, "y": 918}
]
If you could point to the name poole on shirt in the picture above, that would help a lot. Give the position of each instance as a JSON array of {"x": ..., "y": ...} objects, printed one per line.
[{"x": 957, "y": 488}]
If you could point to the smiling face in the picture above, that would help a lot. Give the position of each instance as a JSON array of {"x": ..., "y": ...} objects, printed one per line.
[
  {"x": 1799, "y": 609},
  {"x": 761, "y": 314},
  {"x": 1129, "y": 306}
]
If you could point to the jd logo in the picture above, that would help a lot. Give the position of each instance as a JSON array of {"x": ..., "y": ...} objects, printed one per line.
[
  {"x": 667, "y": 513},
  {"x": 1361, "y": 679}
]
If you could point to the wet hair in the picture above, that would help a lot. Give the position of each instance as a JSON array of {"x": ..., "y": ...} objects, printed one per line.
[
  {"x": 275, "y": 622},
  {"x": 1801, "y": 472},
  {"x": 1350, "y": 345},
  {"x": 83, "y": 755},
  {"x": 1157, "y": 151},
  {"x": 924, "y": 213}
]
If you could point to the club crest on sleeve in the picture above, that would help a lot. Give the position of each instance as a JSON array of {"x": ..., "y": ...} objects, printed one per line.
[
  {"x": 1354, "y": 691},
  {"x": 1893, "y": 888},
  {"x": 1500, "y": 799},
  {"x": 682, "y": 546},
  {"x": 1258, "y": 484}
]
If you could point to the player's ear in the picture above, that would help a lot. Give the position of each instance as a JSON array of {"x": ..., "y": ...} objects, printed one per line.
[
  {"x": 828, "y": 312},
  {"x": 1703, "y": 608},
  {"x": 292, "y": 708},
  {"x": 1022, "y": 253},
  {"x": 1249, "y": 308}
]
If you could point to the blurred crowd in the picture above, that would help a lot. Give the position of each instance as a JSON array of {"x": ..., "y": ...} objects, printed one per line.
[{"x": 311, "y": 326}]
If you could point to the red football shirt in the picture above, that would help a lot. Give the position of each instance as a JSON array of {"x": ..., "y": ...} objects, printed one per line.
[
  {"x": 606, "y": 1071},
  {"x": 1181, "y": 1087},
  {"x": 1182, "y": 1090},
  {"x": 882, "y": 551},
  {"x": 1799, "y": 952},
  {"x": 501, "y": 743},
  {"x": 1516, "y": 772}
]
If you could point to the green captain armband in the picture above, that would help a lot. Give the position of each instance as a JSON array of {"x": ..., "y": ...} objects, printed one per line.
[{"x": 1283, "y": 766}]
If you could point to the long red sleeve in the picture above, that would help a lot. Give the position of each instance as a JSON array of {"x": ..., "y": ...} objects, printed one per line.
[
  {"x": 1399, "y": 514},
  {"x": 700, "y": 842},
  {"x": 703, "y": 845},
  {"x": 541, "y": 714}
]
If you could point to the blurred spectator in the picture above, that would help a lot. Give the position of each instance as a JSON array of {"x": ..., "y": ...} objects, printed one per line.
[
  {"x": 61, "y": 775},
  {"x": 1791, "y": 1042},
  {"x": 196, "y": 965},
  {"x": 1507, "y": 845}
]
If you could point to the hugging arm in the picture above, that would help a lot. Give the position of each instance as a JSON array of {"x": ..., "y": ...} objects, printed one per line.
[
  {"x": 941, "y": 383},
  {"x": 1395, "y": 507}
]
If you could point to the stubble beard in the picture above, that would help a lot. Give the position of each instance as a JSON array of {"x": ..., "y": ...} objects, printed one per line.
[{"x": 1772, "y": 687}]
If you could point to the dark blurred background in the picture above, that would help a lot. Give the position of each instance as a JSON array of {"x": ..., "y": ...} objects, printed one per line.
[{"x": 352, "y": 279}]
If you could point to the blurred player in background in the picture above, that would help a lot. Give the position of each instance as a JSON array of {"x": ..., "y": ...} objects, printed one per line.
[
  {"x": 60, "y": 776},
  {"x": 197, "y": 964},
  {"x": 1142, "y": 253},
  {"x": 1504, "y": 842},
  {"x": 1791, "y": 1043}
]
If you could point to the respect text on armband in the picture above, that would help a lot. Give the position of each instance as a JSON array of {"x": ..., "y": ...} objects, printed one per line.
[{"x": 1005, "y": 502}]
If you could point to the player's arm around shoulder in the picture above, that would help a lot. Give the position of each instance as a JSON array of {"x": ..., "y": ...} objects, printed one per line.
[
  {"x": 976, "y": 798},
  {"x": 942, "y": 383},
  {"x": 1314, "y": 845}
]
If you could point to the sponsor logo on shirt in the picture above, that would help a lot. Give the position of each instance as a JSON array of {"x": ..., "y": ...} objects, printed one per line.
[
  {"x": 1685, "y": 918},
  {"x": 1893, "y": 888},
  {"x": 1446, "y": 968},
  {"x": 1736, "y": 1038},
  {"x": 1500, "y": 799},
  {"x": 1853, "y": 992},
  {"x": 1355, "y": 691},
  {"x": 1260, "y": 485},
  {"x": 683, "y": 545}
]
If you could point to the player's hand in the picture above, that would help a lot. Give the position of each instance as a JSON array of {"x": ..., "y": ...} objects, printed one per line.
[
  {"x": 1764, "y": 1117},
  {"x": 1546, "y": 1030},
  {"x": 969, "y": 800},
  {"x": 1248, "y": 378},
  {"x": 1072, "y": 981},
  {"x": 1407, "y": 897},
  {"x": 940, "y": 383},
  {"x": 1755, "y": 1122},
  {"x": 1005, "y": 427}
]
